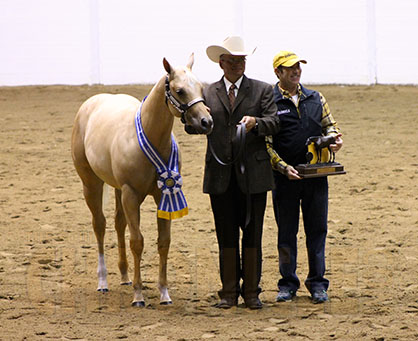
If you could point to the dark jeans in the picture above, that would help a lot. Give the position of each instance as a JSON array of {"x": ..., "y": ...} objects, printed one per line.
[
  {"x": 229, "y": 211},
  {"x": 288, "y": 197}
]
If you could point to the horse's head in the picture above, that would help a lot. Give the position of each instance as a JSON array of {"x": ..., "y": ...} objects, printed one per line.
[{"x": 184, "y": 92}]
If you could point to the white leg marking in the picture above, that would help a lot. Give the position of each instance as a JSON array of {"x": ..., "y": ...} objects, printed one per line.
[
  {"x": 138, "y": 299},
  {"x": 164, "y": 296},
  {"x": 102, "y": 274}
]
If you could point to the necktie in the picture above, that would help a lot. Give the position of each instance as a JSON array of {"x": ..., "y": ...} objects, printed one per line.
[{"x": 231, "y": 95}]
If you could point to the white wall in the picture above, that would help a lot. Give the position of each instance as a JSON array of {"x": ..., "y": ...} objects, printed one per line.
[
  {"x": 124, "y": 41},
  {"x": 326, "y": 33},
  {"x": 44, "y": 42},
  {"x": 397, "y": 41}
]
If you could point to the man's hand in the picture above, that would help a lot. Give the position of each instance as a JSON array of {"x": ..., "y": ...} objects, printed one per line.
[
  {"x": 338, "y": 143},
  {"x": 249, "y": 122},
  {"x": 292, "y": 174}
]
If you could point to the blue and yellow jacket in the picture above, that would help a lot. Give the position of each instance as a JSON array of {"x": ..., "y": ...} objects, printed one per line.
[{"x": 308, "y": 116}]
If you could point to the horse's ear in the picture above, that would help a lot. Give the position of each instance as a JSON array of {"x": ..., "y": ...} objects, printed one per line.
[
  {"x": 191, "y": 61},
  {"x": 167, "y": 65}
]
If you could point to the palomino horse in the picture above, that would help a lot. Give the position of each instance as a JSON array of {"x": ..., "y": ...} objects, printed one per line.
[{"x": 105, "y": 149}]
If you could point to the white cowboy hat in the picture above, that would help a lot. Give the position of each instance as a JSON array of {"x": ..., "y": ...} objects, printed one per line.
[{"x": 232, "y": 45}]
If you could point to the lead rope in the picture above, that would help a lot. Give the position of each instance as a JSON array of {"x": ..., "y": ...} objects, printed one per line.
[{"x": 240, "y": 140}]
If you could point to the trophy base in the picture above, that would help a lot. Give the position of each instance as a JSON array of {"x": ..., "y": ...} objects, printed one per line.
[{"x": 320, "y": 169}]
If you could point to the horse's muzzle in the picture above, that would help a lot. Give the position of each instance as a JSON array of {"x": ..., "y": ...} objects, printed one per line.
[
  {"x": 206, "y": 124},
  {"x": 202, "y": 125}
]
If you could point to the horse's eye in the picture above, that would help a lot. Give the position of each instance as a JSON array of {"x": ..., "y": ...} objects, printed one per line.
[{"x": 180, "y": 92}]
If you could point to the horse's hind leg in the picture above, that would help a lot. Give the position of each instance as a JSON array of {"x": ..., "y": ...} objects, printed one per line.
[
  {"x": 93, "y": 192},
  {"x": 120, "y": 226},
  {"x": 164, "y": 238}
]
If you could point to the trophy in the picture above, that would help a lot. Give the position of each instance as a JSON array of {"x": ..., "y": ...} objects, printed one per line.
[{"x": 320, "y": 158}]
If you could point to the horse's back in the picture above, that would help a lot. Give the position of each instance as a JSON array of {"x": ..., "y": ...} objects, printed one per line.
[
  {"x": 100, "y": 124},
  {"x": 107, "y": 106}
]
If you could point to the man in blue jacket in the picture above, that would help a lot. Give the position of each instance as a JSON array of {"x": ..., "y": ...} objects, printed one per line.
[{"x": 302, "y": 113}]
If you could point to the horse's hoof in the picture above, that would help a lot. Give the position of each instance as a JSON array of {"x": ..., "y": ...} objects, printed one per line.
[
  {"x": 139, "y": 304},
  {"x": 166, "y": 303},
  {"x": 126, "y": 283},
  {"x": 103, "y": 290}
]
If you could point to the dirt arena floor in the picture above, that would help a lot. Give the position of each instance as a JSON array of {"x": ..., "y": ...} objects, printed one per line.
[{"x": 48, "y": 255}]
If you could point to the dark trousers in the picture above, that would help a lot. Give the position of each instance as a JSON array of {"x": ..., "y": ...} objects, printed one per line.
[
  {"x": 288, "y": 197},
  {"x": 229, "y": 211}
]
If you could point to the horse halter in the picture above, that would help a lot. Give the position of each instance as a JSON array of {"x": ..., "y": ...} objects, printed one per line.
[{"x": 181, "y": 107}]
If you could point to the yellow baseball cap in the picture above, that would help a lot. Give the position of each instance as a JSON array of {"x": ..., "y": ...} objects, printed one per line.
[{"x": 286, "y": 58}]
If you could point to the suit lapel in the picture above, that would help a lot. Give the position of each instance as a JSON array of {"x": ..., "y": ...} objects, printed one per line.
[
  {"x": 243, "y": 91},
  {"x": 221, "y": 93}
]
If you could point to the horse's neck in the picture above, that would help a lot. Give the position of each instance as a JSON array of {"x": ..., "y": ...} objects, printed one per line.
[{"x": 157, "y": 120}]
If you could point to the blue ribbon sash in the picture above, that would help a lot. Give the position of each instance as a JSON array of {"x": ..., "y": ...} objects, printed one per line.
[{"x": 173, "y": 203}]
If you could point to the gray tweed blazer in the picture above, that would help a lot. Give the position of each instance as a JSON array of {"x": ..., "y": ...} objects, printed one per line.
[{"x": 255, "y": 98}]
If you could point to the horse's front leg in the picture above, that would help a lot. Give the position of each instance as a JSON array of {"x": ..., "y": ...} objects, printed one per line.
[
  {"x": 130, "y": 204},
  {"x": 332, "y": 159},
  {"x": 164, "y": 238}
]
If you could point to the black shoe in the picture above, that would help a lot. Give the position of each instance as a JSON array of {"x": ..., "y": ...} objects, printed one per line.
[
  {"x": 253, "y": 303},
  {"x": 319, "y": 296},
  {"x": 285, "y": 295},
  {"x": 226, "y": 303}
]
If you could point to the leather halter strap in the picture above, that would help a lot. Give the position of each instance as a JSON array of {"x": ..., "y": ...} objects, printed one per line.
[{"x": 181, "y": 107}]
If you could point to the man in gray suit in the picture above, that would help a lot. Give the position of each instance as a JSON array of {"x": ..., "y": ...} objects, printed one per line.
[{"x": 238, "y": 182}]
